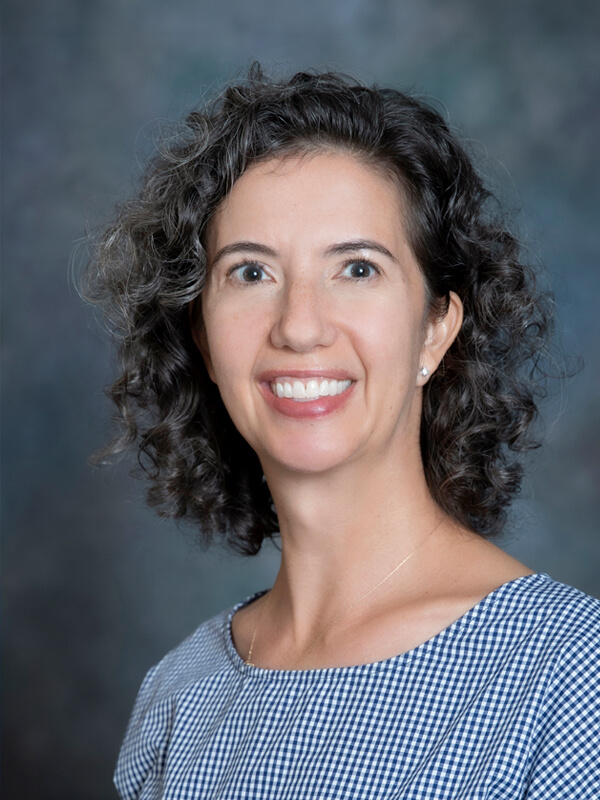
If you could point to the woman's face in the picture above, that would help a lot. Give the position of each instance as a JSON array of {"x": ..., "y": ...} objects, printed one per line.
[{"x": 315, "y": 319}]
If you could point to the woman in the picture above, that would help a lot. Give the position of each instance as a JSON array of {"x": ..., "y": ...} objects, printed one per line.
[{"x": 326, "y": 332}]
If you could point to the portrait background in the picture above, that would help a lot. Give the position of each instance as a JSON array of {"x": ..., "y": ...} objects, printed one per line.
[{"x": 95, "y": 588}]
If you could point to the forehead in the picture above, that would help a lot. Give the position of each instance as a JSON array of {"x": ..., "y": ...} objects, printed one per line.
[{"x": 325, "y": 193}]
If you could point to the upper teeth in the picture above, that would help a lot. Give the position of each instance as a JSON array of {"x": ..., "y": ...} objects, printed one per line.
[{"x": 310, "y": 389}]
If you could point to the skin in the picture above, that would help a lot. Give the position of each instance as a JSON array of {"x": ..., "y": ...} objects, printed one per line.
[{"x": 310, "y": 272}]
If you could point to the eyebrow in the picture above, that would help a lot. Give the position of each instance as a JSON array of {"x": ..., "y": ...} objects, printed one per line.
[
  {"x": 359, "y": 244},
  {"x": 246, "y": 247},
  {"x": 340, "y": 248}
]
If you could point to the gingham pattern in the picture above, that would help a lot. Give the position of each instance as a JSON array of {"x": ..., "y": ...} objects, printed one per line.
[{"x": 504, "y": 703}]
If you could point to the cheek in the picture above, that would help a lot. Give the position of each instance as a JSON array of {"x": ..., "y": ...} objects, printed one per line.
[
  {"x": 223, "y": 354},
  {"x": 392, "y": 338},
  {"x": 231, "y": 351}
]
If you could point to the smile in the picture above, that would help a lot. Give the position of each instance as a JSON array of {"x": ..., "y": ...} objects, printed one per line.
[{"x": 306, "y": 390}]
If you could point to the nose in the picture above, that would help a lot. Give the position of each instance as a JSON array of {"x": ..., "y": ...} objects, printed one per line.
[{"x": 303, "y": 319}]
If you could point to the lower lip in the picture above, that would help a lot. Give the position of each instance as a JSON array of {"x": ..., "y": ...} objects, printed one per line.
[{"x": 305, "y": 409}]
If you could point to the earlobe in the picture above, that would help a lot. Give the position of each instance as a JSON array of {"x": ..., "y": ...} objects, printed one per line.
[{"x": 440, "y": 335}]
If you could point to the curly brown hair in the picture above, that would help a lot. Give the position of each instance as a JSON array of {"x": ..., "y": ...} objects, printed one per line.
[{"x": 150, "y": 266}]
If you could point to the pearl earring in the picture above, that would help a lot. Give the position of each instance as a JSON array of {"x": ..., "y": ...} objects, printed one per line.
[{"x": 424, "y": 372}]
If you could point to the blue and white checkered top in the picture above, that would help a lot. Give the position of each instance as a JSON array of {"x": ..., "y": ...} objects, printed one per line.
[{"x": 504, "y": 703}]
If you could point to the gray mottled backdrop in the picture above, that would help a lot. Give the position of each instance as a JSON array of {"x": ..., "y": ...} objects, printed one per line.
[{"x": 96, "y": 589}]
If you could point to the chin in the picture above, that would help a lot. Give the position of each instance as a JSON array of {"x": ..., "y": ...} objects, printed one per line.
[{"x": 309, "y": 460}]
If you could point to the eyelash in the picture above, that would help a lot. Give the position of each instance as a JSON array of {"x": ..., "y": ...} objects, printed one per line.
[{"x": 238, "y": 268}]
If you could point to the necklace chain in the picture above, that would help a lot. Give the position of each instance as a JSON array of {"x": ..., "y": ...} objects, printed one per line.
[{"x": 342, "y": 613}]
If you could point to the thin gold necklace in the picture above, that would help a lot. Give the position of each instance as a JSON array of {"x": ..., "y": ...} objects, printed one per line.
[{"x": 348, "y": 608}]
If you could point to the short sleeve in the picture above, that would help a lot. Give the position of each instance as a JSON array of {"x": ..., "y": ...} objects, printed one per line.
[
  {"x": 140, "y": 766},
  {"x": 565, "y": 754}
]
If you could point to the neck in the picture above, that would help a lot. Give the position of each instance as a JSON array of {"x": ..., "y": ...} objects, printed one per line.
[{"x": 342, "y": 533}]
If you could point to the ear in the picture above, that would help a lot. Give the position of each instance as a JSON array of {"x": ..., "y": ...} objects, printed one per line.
[
  {"x": 441, "y": 332},
  {"x": 199, "y": 336}
]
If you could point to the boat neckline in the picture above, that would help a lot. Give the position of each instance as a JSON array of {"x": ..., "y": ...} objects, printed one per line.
[{"x": 433, "y": 642}]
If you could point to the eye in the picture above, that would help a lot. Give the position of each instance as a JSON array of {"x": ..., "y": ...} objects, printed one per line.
[
  {"x": 360, "y": 269},
  {"x": 248, "y": 273}
]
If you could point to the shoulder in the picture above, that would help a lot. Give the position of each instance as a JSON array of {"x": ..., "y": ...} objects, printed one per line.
[
  {"x": 572, "y": 626},
  {"x": 534, "y": 626},
  {"x": 556, "y": 613},
  {"x": 203, "y": 660},
  {"x": 564, "y": 745},
  {"x": 565, "y": 609},
  {"x": 549, "y": 633},
  {"x": 200, "y": 655},
  {"x": 205, "y": 654}
]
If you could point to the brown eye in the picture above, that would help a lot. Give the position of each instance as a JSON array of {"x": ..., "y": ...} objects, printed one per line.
[
  {"x": 248, "y": 273},
  {"x": 251, "y": 274}
]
